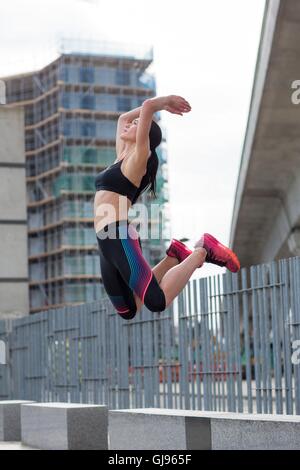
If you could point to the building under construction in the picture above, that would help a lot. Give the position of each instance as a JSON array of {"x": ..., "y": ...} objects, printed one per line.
[{"x": 71, "y": 110}]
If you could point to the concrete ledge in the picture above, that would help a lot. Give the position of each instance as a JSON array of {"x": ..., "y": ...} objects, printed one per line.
[
  {"x": 64, "y": 426},
  {"x": 158, "y": 429},
  {"x": 10, "y": 420},
  {"x": 164, "y": 429},
  {"x": 255, "y": 432}
]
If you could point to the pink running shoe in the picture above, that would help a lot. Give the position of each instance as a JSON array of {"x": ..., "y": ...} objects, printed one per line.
[
  {"x": 178, "y": 250},
  {"x": 218, "y": 254}
]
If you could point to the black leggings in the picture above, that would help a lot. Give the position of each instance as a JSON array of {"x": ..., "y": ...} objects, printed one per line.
[{"x": 124, "y": 270}]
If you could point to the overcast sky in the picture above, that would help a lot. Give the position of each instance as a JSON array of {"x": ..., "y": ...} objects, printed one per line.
[{"x": 204, "y": 50}]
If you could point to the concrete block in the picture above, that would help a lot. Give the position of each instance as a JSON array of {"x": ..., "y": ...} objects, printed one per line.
[
  {"x": 164, "y": 429},
  {"x": 158, "y": 429},
  {"x": 259, "y": 432},
  {"x": 64, "y": 426},
  {"x": 10, "y": 419}
]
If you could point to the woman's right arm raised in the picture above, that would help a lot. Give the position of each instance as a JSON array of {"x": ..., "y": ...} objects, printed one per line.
[{"x": 172, "y": 103}]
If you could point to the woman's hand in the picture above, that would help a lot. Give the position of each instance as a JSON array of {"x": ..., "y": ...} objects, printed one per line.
[{"x": 177, "y": 105}]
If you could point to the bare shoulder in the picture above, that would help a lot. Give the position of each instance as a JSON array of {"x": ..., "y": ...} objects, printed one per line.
[{"x": 132, "y": 170}]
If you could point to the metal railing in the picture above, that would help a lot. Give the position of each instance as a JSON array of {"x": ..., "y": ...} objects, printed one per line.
[{"x": 227, "y": 343}]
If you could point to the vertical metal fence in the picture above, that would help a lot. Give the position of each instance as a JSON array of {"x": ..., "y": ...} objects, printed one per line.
[{"x": 227, "y": 343}]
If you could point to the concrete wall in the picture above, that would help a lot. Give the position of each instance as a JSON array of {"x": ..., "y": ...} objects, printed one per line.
[{"x": 14, "y": 294}]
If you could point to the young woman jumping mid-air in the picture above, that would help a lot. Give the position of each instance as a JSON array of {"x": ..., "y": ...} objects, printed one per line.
[{"x": 127, "y": 277}]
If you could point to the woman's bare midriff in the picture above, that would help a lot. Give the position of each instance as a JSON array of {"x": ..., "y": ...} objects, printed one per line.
[{"x": 117, "y": 204}]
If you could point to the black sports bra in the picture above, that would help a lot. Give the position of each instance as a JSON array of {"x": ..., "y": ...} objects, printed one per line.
[{"x": 112, "y": 179}]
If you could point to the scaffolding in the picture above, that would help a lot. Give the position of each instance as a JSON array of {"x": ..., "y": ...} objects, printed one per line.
[{"x": 71, "y": 110}]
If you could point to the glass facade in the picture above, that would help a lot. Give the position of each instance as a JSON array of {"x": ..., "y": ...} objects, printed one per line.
[{"x": 99, "y": 101}]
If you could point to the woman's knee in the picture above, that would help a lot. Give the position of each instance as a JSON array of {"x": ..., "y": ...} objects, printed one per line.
[
  {"x": 155, "y": 299},
  {"x": 134, "y": 306},
  {"x": 126, "y": 306},
  {"x": 129, "y": 314},
  {"x": 156, "y": 303}
]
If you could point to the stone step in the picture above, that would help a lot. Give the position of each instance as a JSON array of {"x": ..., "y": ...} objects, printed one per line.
[
  {"x": 64, "y": 426},
  {"x": 10, "y": 419},
  {"x": 166, "y": 429}
]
